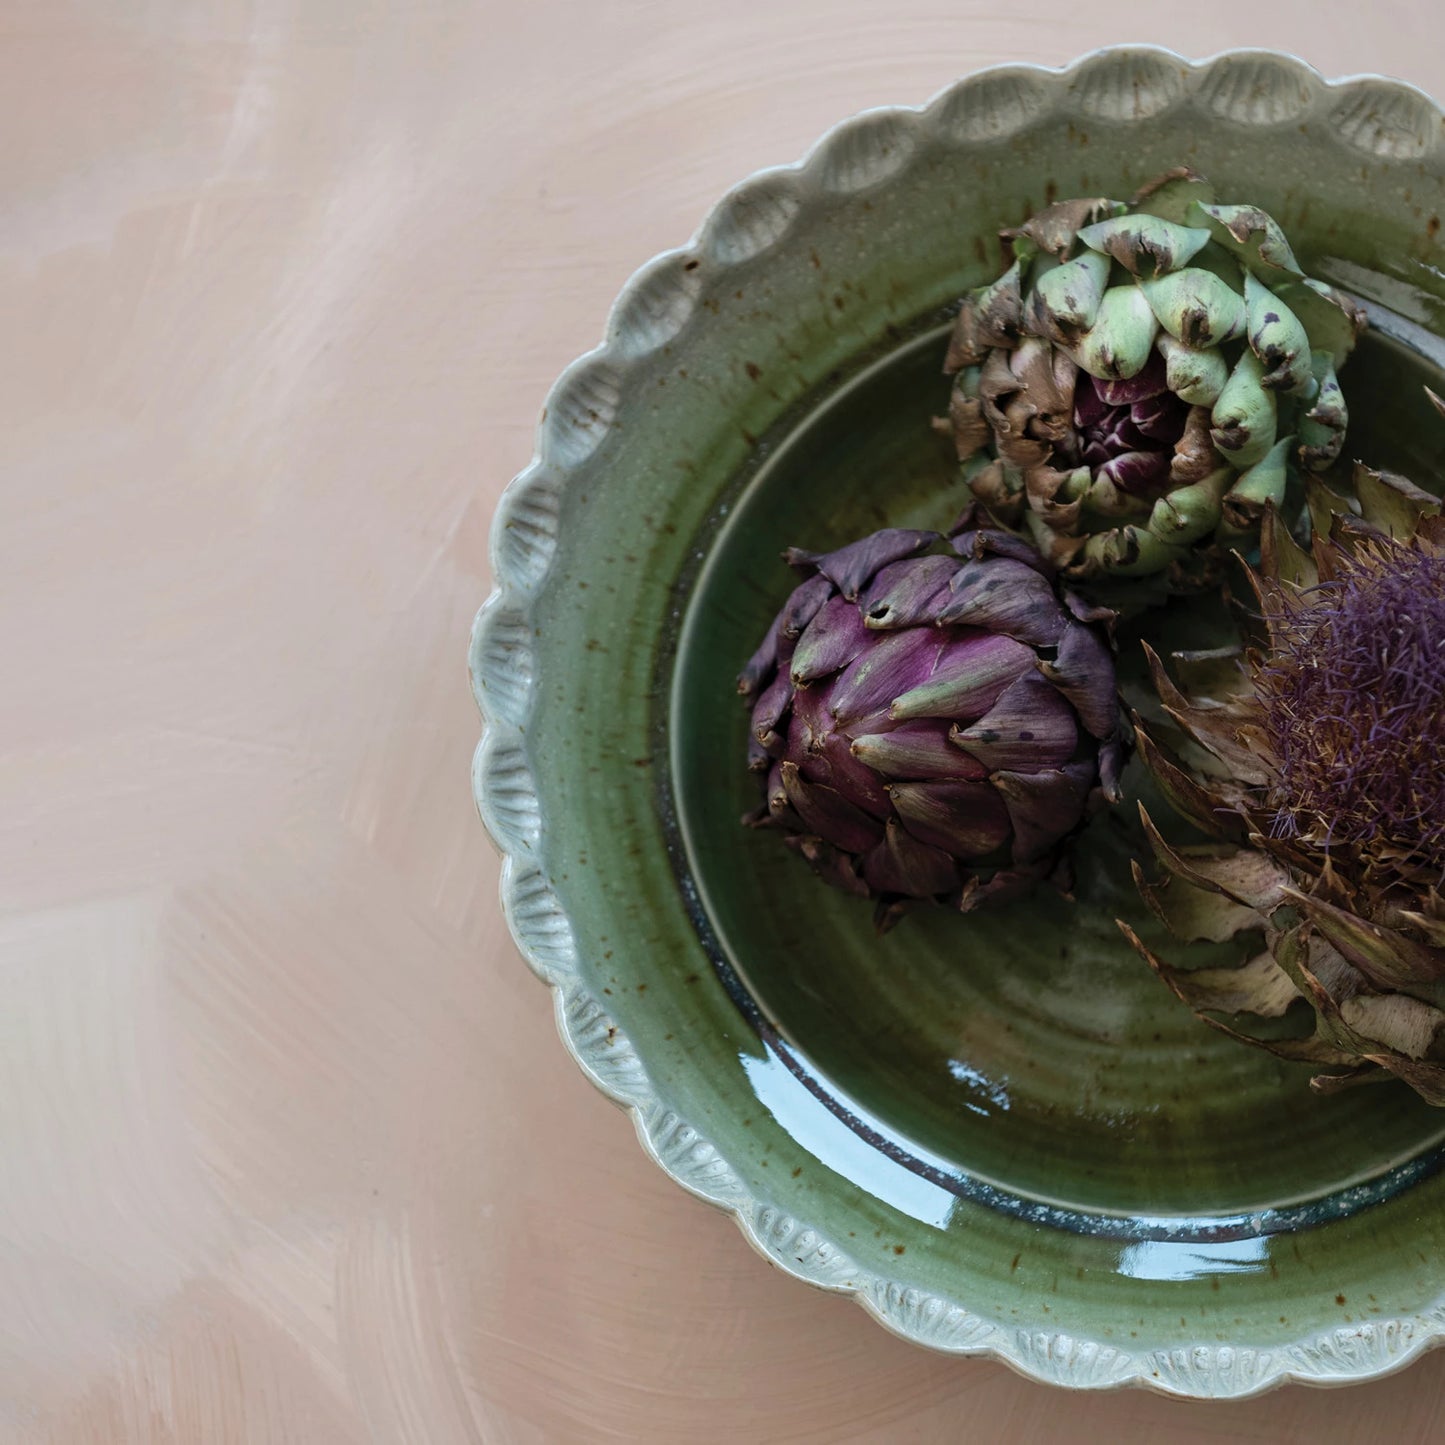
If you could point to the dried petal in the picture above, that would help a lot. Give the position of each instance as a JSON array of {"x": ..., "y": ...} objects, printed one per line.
[
  {"x": 1054, "y": 228},
  {"x": 1254, "y": 235},
  {"x": 989, "y": 317},
  {"x": 1191, "y": 913},
  {"x": 1207, "y": 811},
  {"x": 967, "y": 424},
  {"x": 1249, "y": 878},
  {"x": 1194, "y": 459},
  {"x": 1172, "y": 196},
  {"x": 1389, "y": 958},
  {"x": 1392, "y": 503},
  {"x": 1332, "y": 321}
]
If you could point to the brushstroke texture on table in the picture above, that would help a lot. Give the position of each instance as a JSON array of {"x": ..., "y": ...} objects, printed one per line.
[{"x": 290, "y": 1150}]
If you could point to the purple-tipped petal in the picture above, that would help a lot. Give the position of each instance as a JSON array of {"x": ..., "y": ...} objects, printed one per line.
[
  {"x": 851, "y": 568},
  {"x": 1087, "y": 611},
  {"x": 901, "y": 864},
  {"x": 916, "y": 750},
  {"x": 812, "y": 719},
  {"x": 1003, "y": 886},
  {"x": 1090, "y": 408},
  {"x": 776, "y": 795},
  {"x": 829, "y": 642},
  {"x": 1083, "y": 670},
  {"x": 803, "y": 606},
  {"x": 770, "y": 710},
  {"x": 759, "y": 670},
  {"x": 892, "y": 664},
  {"x": 1044, "y": 806},
  {"x": 1159, "y": 418},
  {"x": 829, "y": 814},
  {"x": 759, "y": 759},
  {"x": 831, "y": 864},
  {"x": 836, "y": 766},
  {"x": 1002, "y": 595},
  {"x": 966, "y": 819},
  {"x": 970, "y": 675},
  {"x": 1137, "y": 472},
  {"x": 904, "y": 594},
  {"x": 1152, "y": 381},
  {"x": 1111, "y": 769},
  {"x": 989, "y": 542},
  {"x": 1031, "y": 726}
]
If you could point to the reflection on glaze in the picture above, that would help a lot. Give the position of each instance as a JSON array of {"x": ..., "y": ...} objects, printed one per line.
[
  {"x": 991, "y": 1089},
  {"x": 1391, "y": 302},
  {"x": 841, "y": 1134},
  {"x": 825, "y": 1136},
  {"x": 1163, "y": 1259}
]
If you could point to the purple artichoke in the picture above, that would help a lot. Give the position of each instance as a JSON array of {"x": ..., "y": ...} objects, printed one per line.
[{"x": 933, "y": 717}]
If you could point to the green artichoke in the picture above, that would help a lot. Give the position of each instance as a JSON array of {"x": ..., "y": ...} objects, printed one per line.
[
  {"x": 1314, "y": 761},
  {"x": 932, "y": 718},
  {"x": 1144, "y": 379}
]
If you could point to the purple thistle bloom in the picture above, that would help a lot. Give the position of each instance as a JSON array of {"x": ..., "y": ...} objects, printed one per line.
[{"x": 1354, "y": 707}]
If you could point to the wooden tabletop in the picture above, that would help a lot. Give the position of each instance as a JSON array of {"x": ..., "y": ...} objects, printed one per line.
[{"x": 291, "y": 1151}]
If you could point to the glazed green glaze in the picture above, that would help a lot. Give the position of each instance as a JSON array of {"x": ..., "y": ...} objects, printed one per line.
[
  {"x": 1000, "y": 1129},
  {"x": 1024, "y": 1044}
]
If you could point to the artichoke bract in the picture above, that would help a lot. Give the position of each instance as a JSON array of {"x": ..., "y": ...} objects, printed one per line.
[
  {"x": 1145, "y": 379},
  {"x": 933, "y": 717},
  {"x": 1315, "y": 762}
]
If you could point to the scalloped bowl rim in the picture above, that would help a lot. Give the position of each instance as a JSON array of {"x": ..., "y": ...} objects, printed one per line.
[{"x": 545, "y": 941}]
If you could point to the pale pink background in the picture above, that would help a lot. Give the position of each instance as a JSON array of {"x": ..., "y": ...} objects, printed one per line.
[{"x": 290, "y": 1149}]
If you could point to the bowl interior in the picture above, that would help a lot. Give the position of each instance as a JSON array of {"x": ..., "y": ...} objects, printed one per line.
[
  {"x": 904, "y": 1118},
  {"x": 1027, "y": 1046}
]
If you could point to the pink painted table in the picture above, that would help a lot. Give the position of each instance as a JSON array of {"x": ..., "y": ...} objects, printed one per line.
[{"x": 290, "y": 1149}]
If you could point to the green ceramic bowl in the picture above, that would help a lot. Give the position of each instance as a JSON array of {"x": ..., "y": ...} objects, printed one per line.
[{"x": 999, "y": 1132}]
